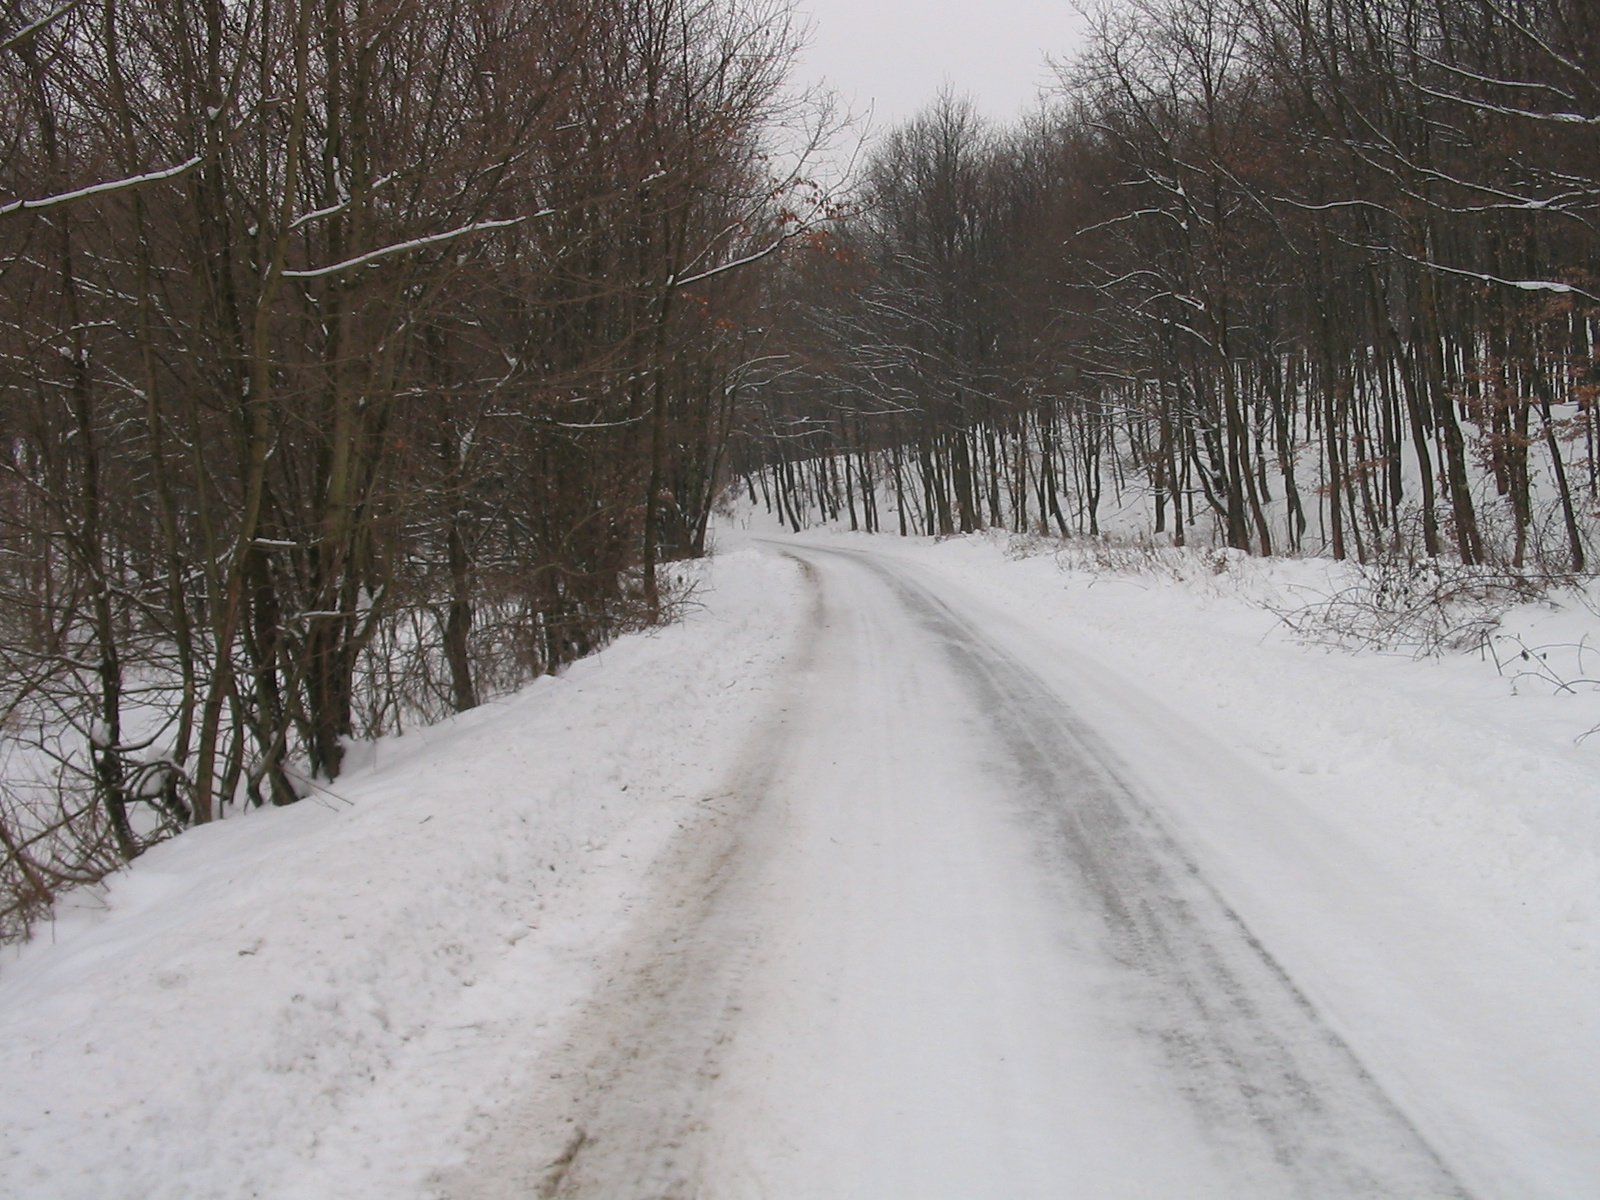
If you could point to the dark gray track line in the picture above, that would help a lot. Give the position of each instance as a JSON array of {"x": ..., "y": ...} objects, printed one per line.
[{"x": 1283, "y": 1097}]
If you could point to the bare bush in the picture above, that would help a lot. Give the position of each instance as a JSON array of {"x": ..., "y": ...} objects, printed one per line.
[{"x": 1422, "y": 608}]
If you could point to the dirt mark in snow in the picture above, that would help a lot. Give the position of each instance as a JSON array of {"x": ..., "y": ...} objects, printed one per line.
[{"x": 614, "y": 1112}]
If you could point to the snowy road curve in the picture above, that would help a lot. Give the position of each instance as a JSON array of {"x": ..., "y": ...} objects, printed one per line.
[{"x": 934, "y": 943}]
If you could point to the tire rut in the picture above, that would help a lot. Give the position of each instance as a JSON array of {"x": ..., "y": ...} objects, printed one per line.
[
  {"x": 623, "y": 1117},
  {"x": 1283, "y": 1098}
]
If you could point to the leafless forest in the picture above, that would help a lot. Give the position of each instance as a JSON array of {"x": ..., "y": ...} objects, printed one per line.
[
  {"x": 361, "y": 358},
  {"x": 364, "y": 358},
  {"x": 1305, "y": 274}
]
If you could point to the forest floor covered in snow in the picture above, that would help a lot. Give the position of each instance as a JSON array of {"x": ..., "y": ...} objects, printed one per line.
[{"x": 401, "y": 986}]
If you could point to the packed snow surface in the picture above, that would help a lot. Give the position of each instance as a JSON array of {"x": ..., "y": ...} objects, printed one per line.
[{"x": 899, "y": 870}]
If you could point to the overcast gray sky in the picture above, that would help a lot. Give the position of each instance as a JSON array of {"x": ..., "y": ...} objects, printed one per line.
[{"x": 895, "y": 54}]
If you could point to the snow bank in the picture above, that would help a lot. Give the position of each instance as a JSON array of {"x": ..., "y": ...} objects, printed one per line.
[{"x": 314, "y": 1001}]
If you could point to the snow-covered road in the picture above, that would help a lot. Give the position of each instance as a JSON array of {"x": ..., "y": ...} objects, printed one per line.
[
  {"x": 938, "y": 942},
  {"x": 897, "y": 870}
]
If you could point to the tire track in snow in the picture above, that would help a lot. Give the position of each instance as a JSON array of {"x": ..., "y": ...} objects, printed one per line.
[
  {"x": 1286, "y": 1103},
  {"x": 617, "y": 1113},
  {"x": 1283, "y": 1097}
]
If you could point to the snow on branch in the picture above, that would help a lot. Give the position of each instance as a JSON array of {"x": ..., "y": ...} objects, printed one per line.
[
  {"x": 371, "y": 256},
  {"x": 1526, "y": 285},
  {"x": 95, "y": 189},
  {"x": 342, "y": 204},
  {"x": 1130, "y": 216},
  {"x": 1507, "y": 110},
  {"x": 28, "y": 31},
  {"x": 675, "y": 282}
]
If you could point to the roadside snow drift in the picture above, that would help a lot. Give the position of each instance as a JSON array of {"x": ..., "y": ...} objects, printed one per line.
[{"x": 314, "y": 1001}]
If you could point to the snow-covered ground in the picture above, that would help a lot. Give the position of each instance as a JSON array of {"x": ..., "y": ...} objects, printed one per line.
[
  {"x": 1418, "y": 842},
  {"x": 315, "y": 1001},
  {"x": 783, "y": 902}
]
